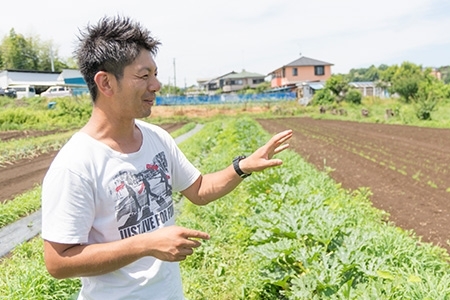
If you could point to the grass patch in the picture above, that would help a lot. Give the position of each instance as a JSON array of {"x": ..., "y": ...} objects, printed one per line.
[
  {"x": 21, "y": 206},
  {"x": 28, "y": 148},
  {"x": 23, "y": 276}
]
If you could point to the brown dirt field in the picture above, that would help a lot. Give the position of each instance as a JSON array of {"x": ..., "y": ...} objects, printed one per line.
[
  {"x": 24, "y": 174},
  {"x": 17, "y": 134},
  {"x": 207, "y": 111},
  {"x": 406, "y": 168}
]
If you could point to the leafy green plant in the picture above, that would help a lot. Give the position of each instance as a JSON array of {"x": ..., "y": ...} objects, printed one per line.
[
  {"x": 353, "y": 96},
  {"x": 323, "y": 97},
  {"x": 21, "y": 206},
  {"x": 427, "y": 98},
  {"x": 32, "y": 147},
  {"x": 23, "y": 276},
  {"x": 306, "y": 238}
]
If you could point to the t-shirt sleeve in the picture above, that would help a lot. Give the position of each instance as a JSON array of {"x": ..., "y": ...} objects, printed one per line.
[
  {"x": 68, "y": 208},
  {"x": 183, "y": 171}
]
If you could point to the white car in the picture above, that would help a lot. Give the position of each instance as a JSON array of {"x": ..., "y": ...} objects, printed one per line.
[
  {"x": 24, "y": 91},
  {"x": 57, "y": 91}
]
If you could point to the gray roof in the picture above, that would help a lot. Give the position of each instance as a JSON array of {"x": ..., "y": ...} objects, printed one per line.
[
  {"x": 362, "y": 84},
  {"x": 69, "y": 73},
  {"x": 244, "y": 74},
  {"x": 30, "y": 76},
  {"x": 220, "y": 77},
  {"x": 17, "y": 77},
  {"x": 306, "y": 61}
]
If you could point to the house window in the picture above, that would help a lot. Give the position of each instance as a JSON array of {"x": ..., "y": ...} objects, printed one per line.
[
  {"x": 256, "y": 81},
  {"x": 294, "y": 72},
  {"x": 235, "y": 82},
  {"x": 319, "y": 70}
]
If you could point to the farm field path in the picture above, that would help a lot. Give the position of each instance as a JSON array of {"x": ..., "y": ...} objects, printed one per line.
[{"x": 406, "y": 168}]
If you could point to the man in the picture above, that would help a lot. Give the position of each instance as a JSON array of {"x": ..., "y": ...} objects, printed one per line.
[{"x": 97, "y": 223}]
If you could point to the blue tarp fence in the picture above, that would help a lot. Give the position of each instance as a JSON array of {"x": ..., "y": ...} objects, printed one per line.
[{"x": 225, "y": 98}]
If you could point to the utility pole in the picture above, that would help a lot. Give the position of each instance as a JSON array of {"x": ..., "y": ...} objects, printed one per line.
[
  {"x": 51, "y": 59},
  {"x": 174, "y": 74},
  {"x": 168, "y": 88}
]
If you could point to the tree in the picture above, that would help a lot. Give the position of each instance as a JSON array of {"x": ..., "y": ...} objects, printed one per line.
[
  {"x": 430, "y": 93},
  {"x": 387, "y": 74},
  {"x": 170, "y": 90},
  {"x": 445, "y": 71},
  {"x": 28, "y": 53},
  {"x": 366, "y": 74},
  {"x": 406, "y": 79},
  {"x": 338, "y": 85},
  {"x": 353, "y": 96},
  {"x": 17, "y": 53},
  {"x": 262, "y": 87},
  {"x": 323, "y": 97}
]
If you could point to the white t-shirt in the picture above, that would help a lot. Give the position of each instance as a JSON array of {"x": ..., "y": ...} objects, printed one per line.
[{"x": 93, "y": 194}]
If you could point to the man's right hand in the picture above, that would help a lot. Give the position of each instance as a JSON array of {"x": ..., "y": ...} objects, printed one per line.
[
  {"x": 174, "y": 243},
  {"x": 171, "y": 243}
]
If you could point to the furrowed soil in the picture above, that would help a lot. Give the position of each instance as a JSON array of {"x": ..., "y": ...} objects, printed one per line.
[
  {"x": 406, "y": 168},
  {"x": 23, "y": 175}
]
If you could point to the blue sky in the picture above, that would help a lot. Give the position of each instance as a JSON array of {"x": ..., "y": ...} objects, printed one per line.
[{"x": 210, "y": 38}]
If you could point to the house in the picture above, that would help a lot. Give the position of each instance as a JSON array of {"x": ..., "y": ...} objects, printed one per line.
[
  {"x": 238, "y": 81},
  {"x": 74, "y": 80},
  {"x": 370, "y": 88},
  {"x": 307, "y": 89},
  {"x": 214, "y": 84},
  {"x": 41, "y": 80},
  {"x": 232, "y": 82},
  {"x": 304, "y": 69}
]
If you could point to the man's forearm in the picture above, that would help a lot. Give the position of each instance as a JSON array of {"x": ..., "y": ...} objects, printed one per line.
[
  {"x": 91, "y": 260},
  {"x": 213, "y": 186}
]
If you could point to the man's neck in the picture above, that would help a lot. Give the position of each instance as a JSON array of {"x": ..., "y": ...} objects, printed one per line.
[{"x": 121, "y": 135}]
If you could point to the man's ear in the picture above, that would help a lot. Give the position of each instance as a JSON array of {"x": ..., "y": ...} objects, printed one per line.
[{"x": 105, "y": 82}]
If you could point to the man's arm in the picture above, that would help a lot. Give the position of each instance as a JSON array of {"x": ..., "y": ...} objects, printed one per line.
[
  {"x": 171, "y": 243},
  {"x": 210, "y": 187}
]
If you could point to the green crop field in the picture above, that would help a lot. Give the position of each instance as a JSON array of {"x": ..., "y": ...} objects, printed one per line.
[{"x": 286, "y": 233}]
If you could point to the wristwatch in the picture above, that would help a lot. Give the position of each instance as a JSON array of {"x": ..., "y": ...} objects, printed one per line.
[{"x": 238, "y": 170}]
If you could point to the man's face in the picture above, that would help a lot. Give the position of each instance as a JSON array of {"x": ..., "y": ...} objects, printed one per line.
[{"x": 138, "y": 86}]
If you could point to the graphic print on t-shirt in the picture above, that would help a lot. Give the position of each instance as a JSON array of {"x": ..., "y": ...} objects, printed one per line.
[{"x": 143, "y": 200}]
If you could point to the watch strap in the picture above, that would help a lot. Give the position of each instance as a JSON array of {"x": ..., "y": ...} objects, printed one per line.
[{"x": 238, "y": 170}]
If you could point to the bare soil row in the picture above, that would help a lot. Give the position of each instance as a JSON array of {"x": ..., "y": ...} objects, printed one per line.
[{"x": 406, "y": 168}]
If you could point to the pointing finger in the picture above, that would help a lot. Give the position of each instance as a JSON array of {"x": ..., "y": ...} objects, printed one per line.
[{"x": 189, "y": 233}]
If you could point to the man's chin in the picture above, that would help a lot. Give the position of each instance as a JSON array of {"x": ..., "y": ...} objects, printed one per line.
[{"x": 146, "y": 114}]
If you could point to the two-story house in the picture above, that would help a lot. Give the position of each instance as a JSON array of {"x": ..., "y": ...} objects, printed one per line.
[
  {"x": 304, "y": 69},
  {"x": 238, "y": 81},
  {"x": 232, "y": 82}
]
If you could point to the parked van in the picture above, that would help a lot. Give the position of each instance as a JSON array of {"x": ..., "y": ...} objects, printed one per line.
[
  {"x": 24, "y": 91},
  {"x": 57, "y": 91}
]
